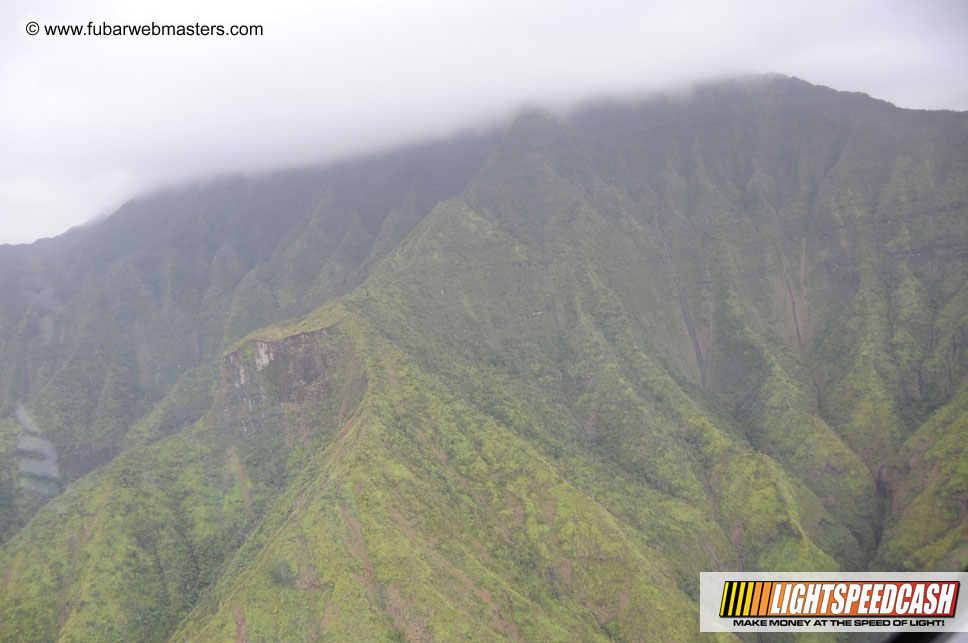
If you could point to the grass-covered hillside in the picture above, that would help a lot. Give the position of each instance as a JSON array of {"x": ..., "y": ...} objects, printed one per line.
[{"x": 524, "y": 386}]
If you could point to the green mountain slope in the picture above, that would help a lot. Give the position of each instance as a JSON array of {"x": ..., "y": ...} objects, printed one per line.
[
  {"x": 532, "y": 384},
  {"x": 97, "y": 332}
]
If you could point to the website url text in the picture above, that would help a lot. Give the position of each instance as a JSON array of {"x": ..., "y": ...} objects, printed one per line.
[{"x": 153, "y": 29}]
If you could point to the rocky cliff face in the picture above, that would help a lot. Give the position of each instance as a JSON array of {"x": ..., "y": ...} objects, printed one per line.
[{"x": 263, "y": 379}]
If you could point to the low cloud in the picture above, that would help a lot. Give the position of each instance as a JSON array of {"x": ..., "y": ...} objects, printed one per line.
[{"x": 89, "y": 121}]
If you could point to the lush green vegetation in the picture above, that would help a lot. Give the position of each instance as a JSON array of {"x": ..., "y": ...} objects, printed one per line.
[{"x": 520, "y": 386}]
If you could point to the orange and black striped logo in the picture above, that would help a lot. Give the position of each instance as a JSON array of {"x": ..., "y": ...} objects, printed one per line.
[
  {"x": 746, "y": 598},
  {"x": 838, "y": 599}
]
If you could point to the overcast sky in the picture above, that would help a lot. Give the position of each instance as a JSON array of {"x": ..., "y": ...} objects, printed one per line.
[{"x": 88, "y": 122}]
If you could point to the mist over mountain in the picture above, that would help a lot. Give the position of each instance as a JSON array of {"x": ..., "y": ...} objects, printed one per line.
[{"x": 520, "y": 384}]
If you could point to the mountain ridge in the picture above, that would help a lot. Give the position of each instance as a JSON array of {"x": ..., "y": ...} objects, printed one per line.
[{"x": 611, "y": 351}]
